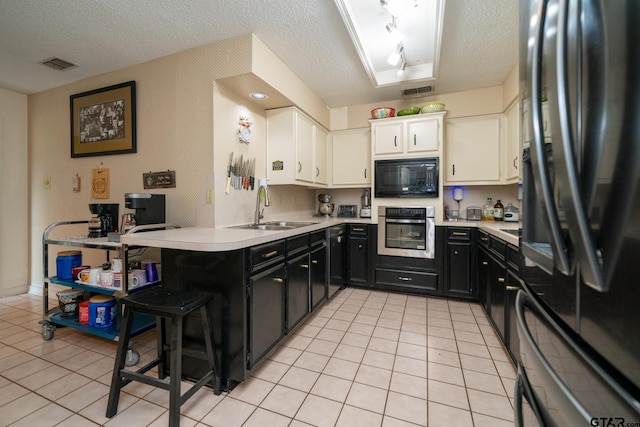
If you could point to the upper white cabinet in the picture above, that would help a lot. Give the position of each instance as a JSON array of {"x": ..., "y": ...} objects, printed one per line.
[
  {"x": 408, "y": 135},
  {"x": 351, "y": 157},
  {"x": 472, "y": 151},
  {"x": 512, "y": 145},
  {"x": 297, "y": 148}
]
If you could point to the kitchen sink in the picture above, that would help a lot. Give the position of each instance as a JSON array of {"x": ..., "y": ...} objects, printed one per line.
[{"x": 273, "y": 225}]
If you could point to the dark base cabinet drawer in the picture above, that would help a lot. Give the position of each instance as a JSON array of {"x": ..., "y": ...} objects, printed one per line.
[{"x": 406, "y": 281}]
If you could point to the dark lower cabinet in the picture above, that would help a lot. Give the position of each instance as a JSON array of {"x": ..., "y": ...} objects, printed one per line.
[
  {"x": 297, "y": 290},
  {"x": 497, "y": 288},
  {"x": 318, "y": 274},
  {"x": 358, "y": 255},
  {"x": 266, "y": 312},
  {"x": 514, "y": 284},
  {"x": 483, "y": 276},
  {"x": 459, "y": 269}
]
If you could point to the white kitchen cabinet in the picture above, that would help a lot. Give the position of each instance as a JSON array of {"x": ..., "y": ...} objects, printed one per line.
[
  {"x": 407, "y": 135},
  {"x": 512, "y": 145},
  {"x": 296, "y": 148},
  {"x": 472, "y": 151},
  {"x": 351, "y": 157}
]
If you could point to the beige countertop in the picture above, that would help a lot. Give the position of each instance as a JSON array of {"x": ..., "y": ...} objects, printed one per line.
[{"x": 221, "y": 239}]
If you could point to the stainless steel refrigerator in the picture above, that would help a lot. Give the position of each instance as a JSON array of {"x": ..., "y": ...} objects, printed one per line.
[{"x": 578, "y": 314}]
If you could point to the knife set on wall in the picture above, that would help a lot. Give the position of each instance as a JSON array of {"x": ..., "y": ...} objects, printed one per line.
[{"x": 240, "y": 174}]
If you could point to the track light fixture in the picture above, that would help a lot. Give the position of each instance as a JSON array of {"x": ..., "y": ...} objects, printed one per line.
[
  {"x": 394, "y": 58},
  {"x": 393, "y": 31}
]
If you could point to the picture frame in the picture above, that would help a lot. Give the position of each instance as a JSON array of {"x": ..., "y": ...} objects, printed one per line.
[{"x": 103, "y": 121}]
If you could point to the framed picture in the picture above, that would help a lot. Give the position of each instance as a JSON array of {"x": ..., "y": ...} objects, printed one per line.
[{"x": 103, "y": 121}]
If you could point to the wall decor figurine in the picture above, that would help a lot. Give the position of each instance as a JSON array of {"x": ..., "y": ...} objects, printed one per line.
[{"x": 244, "y": 129}]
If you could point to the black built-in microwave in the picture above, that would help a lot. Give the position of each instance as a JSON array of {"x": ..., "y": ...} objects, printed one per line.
[{"x": 416, "y": 177}]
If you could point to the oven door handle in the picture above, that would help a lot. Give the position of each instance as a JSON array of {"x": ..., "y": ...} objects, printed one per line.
[{"x": 406, "y": 221}]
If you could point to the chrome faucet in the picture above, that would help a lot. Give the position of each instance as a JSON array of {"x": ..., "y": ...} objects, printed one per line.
[{"x": 267, "y": 202}]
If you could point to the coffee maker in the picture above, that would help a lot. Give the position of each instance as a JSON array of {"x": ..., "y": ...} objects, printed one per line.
[
  {"x": 150, "y": 208},
  {"x": 104, "y": 219}
]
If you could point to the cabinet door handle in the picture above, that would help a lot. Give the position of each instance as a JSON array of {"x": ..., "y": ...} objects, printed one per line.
[
  {"x": 278, "y": 280},
  {"x": 485, "y": 263},
  {"x": 360, "y": 246},
  {"x": 304, "y": 265},
  {"x": 317, "y": 171},
  {"x": 515, "y": 162},
  {"x": 314, "y": 261},
  {"x": 269, "y": 254},
  {"x": 484, "y": 239},
  {"x": 455, "y": 252},
  {"x": 512, "y": 288},
  {"x": 395, "y": 141},
  {"x": 414, "y": 139},
  {"x": 358, "y": 229},
  {"x": 454, "y": 169},
  {"x": 405, "y": 279},
  {"x": 459, "y": 233},
  {"x": 299, "y": 167},
  {"x": 500, "y": 279},
  {"x": 365, "y": 173}
]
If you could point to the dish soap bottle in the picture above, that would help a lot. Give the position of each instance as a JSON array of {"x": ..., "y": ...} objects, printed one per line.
[
  {"x": 498, "y": 211},
  {"x": 487, "y": 211}
]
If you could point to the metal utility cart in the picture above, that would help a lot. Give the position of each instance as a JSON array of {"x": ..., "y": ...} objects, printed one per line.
[{"x": 53, "y": 316}]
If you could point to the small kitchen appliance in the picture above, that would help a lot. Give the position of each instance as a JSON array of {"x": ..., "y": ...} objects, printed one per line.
[
  {"x": 150, "y": 208},
  {"x": 326, "y": 207},
  {"x": 104, "y": 219},
  {"x": 365, "y": 211},
  {"x": 474, "y": 213},
  {"x": 347, "y": 211}
]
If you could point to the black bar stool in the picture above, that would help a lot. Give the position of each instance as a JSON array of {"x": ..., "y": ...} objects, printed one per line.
[{"x": 172, "y": 306}]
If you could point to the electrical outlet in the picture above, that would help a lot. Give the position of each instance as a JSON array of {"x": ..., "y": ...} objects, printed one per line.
[
  {"x": 209, "y": 196},
  {"x": 46, "y": 183}
]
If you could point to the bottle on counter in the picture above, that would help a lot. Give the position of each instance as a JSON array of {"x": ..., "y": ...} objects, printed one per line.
[
  {"x": 487, "y": 211},
  {"x": 498, "y": 211}
]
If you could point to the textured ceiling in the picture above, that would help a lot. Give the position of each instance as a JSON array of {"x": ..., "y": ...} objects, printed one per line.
[{"x": 479, "y": 41}]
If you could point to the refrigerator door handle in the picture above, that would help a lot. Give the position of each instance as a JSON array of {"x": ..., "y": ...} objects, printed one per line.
[
  {"x": 588, "y": 255},
  {"x": 539, "y": 166}
]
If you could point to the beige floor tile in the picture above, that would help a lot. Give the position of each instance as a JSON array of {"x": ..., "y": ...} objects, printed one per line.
[
  {"x": 443, "y": 357},
  {"x": 447, "y": 394},
  {"x": 22, "y": 407},
  {"x": 356, "y": 340},
  {"x": 479, "y": 350},
  {"x": 460, "y": 325},
  {"x": 383, "y": 344},
  {"x": 378, "y": 359},
  {"x": 252, "y": 391},
  {"x": 412, "y": 350},
  {"x": 312, "y": 361},
  {"x": 338, "y": 325},
  {"x": 298, "y": 342},
  {"x": 286, "y": 355},
  {"x": 330, "y": 335},
  {"x": 270, "y": 370},
  {"x": 505, "y": 369},
  {"x": 308, "y": 331},
  {"x": 229, "y": 413},
  {"x": 409, "y": 384},
  {"x": 445, "y": 373},
  {"x": 63, "y": 386},
  {"x": 483, "y": 382},
  {"x": 83, "y": 396},
  {"x": 77, "y": 421},
  {"x": 14, "y": 358},
  {"x": 323, "y": 347},
  {"x": 472, "y": 337},
  {"x": 415, "y": 316},
  {"x": 479, "y": 364},
  {"x": 480, "y": 420},
  {"x": 11, "y": 392},
  {"x": 373, "y": 376},
  {"x": 386, "y": 333},
  {"x": 366, "y": 319},
  {"x": 331, "y": 387},
  {"x": 96, "y": 412},
  {"x": 407, "y": 408},
  {"x": 392, "y": 312},
  {"x": 413, "y": 338},
  {"x": 344, "y": 315},
  {"x": 299, "y": 379},
  {"x": 349, "y": 352},
  {"x": 361, "y": 328},
  {"x": 357, "y": 417},
  {"x": 25, "y": 369},
  {"x": 344, "y": 369},
  {"x": 410, "y": 366},
  {"x": 367, "y": 397},
  {"x": 283, "y": 400},
  {"x": 319, "y": 411},
  {"x": 438, "y": 331},
  {"x": 264, "y": 418},
  {"x": 442, "y": 344},
  {"x": 46, "y": 416},
  {"x": 442, "y": 323},
  {"x": 490, "y": 404},
  {"x": 443, "y": 415}
]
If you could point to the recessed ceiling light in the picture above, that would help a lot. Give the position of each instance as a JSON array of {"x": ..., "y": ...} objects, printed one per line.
[{"x": 258, "y": 95}]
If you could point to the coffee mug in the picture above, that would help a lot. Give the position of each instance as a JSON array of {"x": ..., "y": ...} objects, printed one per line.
[
  {"x": 117, "y": 280},
  {"x": 152, "y": 272},
  {"x": 106, "y": 279},
  {"x": 137, "y": 277},
  {"x": 90, "y": 276},
  {"x": 116, "y": 265},
  {"x": 75, "y": 271}
]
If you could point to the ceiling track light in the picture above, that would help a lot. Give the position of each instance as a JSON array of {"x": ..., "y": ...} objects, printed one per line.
[
  {"x": 394, "y": 58},
  {"x": 393, "y": 31}
]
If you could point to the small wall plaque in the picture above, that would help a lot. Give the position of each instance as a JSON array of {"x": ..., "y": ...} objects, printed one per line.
[
  {"x": 165, "y": 179},
  {"x": 277, "y": 165}
]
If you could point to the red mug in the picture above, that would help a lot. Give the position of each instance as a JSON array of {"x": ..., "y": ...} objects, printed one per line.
[{"x": 76, "y": 270}]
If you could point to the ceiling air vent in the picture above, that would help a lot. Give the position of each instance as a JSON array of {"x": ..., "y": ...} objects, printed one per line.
[
  {"x": 57, "y": 64},
  {"x": 417, "y": 91}
]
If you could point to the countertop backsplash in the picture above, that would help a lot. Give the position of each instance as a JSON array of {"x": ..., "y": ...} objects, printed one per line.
[{"x": 476, "y": 196}]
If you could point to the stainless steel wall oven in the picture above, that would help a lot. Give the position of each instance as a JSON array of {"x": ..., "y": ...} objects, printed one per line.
[{"x": 406, "y": 231}]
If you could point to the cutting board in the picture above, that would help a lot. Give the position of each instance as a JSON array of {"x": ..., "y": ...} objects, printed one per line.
[{"x": 100, "y": 183}]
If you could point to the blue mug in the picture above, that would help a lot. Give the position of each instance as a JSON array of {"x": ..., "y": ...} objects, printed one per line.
[{"x": 152, "y": 272}]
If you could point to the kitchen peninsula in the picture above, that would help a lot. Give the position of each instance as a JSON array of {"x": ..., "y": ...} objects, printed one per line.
[{"x": 253, "y": 275}]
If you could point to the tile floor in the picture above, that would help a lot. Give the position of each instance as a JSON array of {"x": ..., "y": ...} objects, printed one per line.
[{"x": 365, "y": 358}]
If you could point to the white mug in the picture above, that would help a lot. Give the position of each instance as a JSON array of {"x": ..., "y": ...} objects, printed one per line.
[
  {"x": 90, "y": 276},
  {"x": 116, "y": 265},
  {"x": 137, "y": 277},
  {"x": 106, "y": 279}
]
